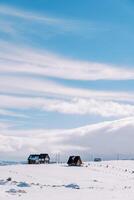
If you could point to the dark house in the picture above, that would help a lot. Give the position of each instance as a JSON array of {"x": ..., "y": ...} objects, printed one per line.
[
  {"x": 44, "y": 158},
  {"x": 38, "y": 159},
  {"x": 74, "y": 161}
]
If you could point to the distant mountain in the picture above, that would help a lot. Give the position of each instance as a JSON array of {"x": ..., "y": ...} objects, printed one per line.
[{"x": 106, "y": 138}]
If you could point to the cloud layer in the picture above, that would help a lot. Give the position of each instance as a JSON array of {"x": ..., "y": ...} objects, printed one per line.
[
  {"x": 24, "y": 60},
  {"x": 25, "y": 72},
  {"x": 74, "y": 106}
]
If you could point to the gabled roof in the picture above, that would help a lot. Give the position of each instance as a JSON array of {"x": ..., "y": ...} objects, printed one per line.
[
  {"x": 44, "y": 155},
  {"x": 38, "y": 156},
  {"x": 33, "y": 157}
]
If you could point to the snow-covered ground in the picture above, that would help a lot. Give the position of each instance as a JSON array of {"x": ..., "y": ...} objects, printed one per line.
[{"x": 109, "y": 180}]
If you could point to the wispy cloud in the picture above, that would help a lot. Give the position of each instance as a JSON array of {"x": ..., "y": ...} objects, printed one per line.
[
  {"x": 30, "y": 61},
  {"x": 33, "y": 61},
  {"x": 20, "y": 69},
  {"x": 78, "y": 106},
  {"x": 48, "y": 25},
  {"x": 11, "y": 11},
  {"x": 35, "y": 87},
  {"x": 90, "y": 107},
  {"x": 4, "y": 112}
]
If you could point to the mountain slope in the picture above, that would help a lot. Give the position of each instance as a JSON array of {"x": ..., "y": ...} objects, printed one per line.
[{"x": 106, "y": 138}]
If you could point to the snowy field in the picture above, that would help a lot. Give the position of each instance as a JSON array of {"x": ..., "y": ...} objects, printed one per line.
[{"x": 95, "y": 181}]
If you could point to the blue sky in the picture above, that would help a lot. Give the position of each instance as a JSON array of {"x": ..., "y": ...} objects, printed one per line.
[
  {"x": 70, "y": 33},
  {"x": 65, "y": 64},
  {"x": 105, "y": 33}
]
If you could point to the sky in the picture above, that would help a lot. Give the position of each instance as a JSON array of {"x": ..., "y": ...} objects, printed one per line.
[{"x": 64, "y": 65}]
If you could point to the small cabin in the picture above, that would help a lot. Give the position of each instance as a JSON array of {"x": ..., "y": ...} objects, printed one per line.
[
  {"x": 97, "y": 160},
  {"x": 74, "y": 161},
  {"x": 38, "y": 159}
]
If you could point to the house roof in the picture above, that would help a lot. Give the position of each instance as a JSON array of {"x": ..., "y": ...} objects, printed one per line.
[
  {"x": 44, "y": 155},
  {"x": 33, "y": 157},
  {"x": 38, "y": 156}
]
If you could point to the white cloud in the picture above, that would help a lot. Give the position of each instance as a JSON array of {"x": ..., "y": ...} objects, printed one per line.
[
  {"x": 29, "y": 61},
  {"x": 91, "y": 107},
  {"x": 36, "y": 87},
  {"x": 62, "y": 99},
  {"x": 78, "y": 106}
]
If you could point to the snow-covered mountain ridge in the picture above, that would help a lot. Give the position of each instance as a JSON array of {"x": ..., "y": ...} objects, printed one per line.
[{"x": 108, "y": 138}]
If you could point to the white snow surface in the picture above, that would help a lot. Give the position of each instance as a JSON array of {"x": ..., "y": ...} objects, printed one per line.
[{"x": 107, "y": 180}]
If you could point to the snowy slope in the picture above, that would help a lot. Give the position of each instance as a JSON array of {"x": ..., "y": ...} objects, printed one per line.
[
  {"x": 96, "y": 181},
  {"x": 109, "y": 138}
]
